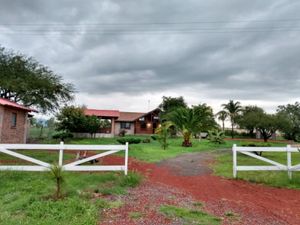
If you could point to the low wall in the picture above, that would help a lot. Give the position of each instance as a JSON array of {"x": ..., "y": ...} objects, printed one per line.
[{"x": 97, "y": 135}]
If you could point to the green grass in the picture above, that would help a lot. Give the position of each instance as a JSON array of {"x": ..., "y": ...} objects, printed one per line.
[
  {"x": 189, "y": 216},
  {"x": 223, "y": 167},
  {"x": 26, "y": 197},
  {"x": 152, "y": 152},
  {"x": 36, "y": 133}
]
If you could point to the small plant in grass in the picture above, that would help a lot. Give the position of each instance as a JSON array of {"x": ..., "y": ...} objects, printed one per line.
[
  {"x": 57, "y": 173},
  {"x": 216, "y": 136},
  {"x": 135, "y": 215},
  {"x": 131, "y": 180},
  {"x": 189, "y": 216},
  {"x": 163, "y": 133},
  {"x": 130, "y": 140}
]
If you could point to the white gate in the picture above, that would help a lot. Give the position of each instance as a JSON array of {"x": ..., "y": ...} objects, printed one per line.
[
  {"x": 275, "y": 166},
  {"x": 73, "y": 166}
]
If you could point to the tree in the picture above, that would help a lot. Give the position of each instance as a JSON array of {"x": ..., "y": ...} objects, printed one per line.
[
  {"x": 290, "y": 114},
  {"x": 189, "y": 121},
  {"x": 267, "y": 124},
  {"x": 92, "y": 124},
  {"x": 163, "y": 133},
  {"x": 170, "y": 104},
  {"x": 222, "y": 115},
  {"x": 71, "y": 119},
  {"x": 248, "y": 118},
  {"x": 24, "y": 80},
  {"x": 206, "y": 115},
  {"x": 233, "y": 109}
]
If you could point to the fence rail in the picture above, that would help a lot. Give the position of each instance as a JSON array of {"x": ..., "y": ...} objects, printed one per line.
[
  {"x": 40, "y": 165},
  {"x": 274, "y": 166}
]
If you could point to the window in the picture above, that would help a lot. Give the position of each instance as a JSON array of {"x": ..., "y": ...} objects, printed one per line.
[
  {"x": 143, "y": 125},
  {"x": 125, "y": 125},
  {"x": 13, "y": 121}
]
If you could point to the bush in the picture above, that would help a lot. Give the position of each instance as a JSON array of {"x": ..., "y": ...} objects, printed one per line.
[
  {"x": 258, "y": 144},
  {"x": 62, "y": 135},
  {"x": 130, "y": 140},
  {"x": 154, "y": 137},
  {"x": 122, "y": 133},
  {"x": 131, "y": 180},
  {"x": 146, "y": 140},
  {"x": 216, "y": 136}
]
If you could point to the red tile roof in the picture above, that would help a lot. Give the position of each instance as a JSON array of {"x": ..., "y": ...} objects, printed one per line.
[
  {"x": 102, "y": 113},
  {"x": 6, "y": 102},
  {"x": 129, "y": 116}
]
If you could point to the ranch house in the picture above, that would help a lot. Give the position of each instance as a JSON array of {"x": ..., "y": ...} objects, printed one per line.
[
  {"x": 14, "y": 122},
  {"x": 131, "y": 122}
]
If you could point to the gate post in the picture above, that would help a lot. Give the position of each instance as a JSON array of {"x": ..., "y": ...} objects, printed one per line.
[
  {"x": 126, "y": 159},
  {"x": 289, "y": 160},
  {"x": 61, "y": 152},
  {"x": 234, "y": 160}
]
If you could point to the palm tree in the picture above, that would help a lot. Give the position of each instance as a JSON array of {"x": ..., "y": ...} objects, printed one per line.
[
  {"x": 57, "y": 173},
  {"x": 222, "y": 115},
  {"x": 163, "y": 133},
  {"x": 188, "y": 121},
  {"x": 232, "y": 108}
]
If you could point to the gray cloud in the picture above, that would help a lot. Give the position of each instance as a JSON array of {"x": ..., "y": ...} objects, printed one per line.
[{"x": 237, "y": 54}]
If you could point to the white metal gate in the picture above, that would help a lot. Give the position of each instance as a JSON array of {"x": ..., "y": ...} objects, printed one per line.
[
  {"x": 274, "y": 166},
  {"x": 73, "y": 166}
]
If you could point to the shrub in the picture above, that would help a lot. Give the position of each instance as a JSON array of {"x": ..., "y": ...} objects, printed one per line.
[
  {"x": 122, "y": 133},
  {"x": 146, "y": 140},
  {"x": 131, "y": 180},
  {"x": 130, "y": 140},
  {"x": 57, "y": 173},
  {"x": 258, "y": 144},
  {"x": 154, "y": 137},
  {"x": 216, "y": 136},
  {"x": 62, "y": 135}
]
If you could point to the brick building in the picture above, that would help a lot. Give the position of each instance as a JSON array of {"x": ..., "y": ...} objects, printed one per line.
[
  {"x": 14, "y": 122},
  {"x": 131, "y": 122}
]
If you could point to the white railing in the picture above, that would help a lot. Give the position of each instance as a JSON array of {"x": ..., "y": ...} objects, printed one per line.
[
  {"x": 275, "y": 166},
  {"x": 73, "y": 166}
]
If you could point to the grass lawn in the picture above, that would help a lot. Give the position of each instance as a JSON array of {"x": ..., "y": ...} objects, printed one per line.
[
  {"x": 223, "y": 167},
  {"x": 26, "y": 197}
]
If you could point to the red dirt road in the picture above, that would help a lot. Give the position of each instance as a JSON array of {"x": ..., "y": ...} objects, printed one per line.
[{"x": 255, "y": 204}]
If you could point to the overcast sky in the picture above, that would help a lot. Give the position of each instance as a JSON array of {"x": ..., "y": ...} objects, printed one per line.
[{"x": 120, "y": 54}]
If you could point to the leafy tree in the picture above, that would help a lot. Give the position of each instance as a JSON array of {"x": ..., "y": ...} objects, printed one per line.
[
  {"x": 267, "y": 124},
  {"x": 233, "y": 109},
  {"x": 26, "y": 81},
  {"x": 92, "y": 124},
  {"x": 170, "y": 104},
  {"x": 163, "y": 133},
  {"x": 189, "y": 121},
  {"x": 248, "y": 118},
  {"x": 206, "y": 115},
  {"x": 290, "y": 114},
  {"x": 222, "y": 115},
  {"x": 72, "y": 119}
]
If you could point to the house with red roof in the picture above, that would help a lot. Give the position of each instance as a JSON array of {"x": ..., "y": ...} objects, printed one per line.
[
  {"x": 130, "y": 122},
  {"x": 14, "y": 122}
]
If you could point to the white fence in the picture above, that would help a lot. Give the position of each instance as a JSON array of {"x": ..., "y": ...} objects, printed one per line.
[
  {"x": 61, "y": 148},
  {"x": 274, "y": 166}
]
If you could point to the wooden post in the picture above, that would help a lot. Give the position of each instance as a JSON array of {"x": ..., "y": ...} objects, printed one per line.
[
  {"x": 126, "y": 159},
  {"x": 234, "y": 160},
  {"x": 61, "y": 153},
  {"x": 289, "y": 161}
]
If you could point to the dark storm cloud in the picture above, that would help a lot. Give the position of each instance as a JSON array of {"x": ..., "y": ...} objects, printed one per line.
[{"x": 238, "y": 56}]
